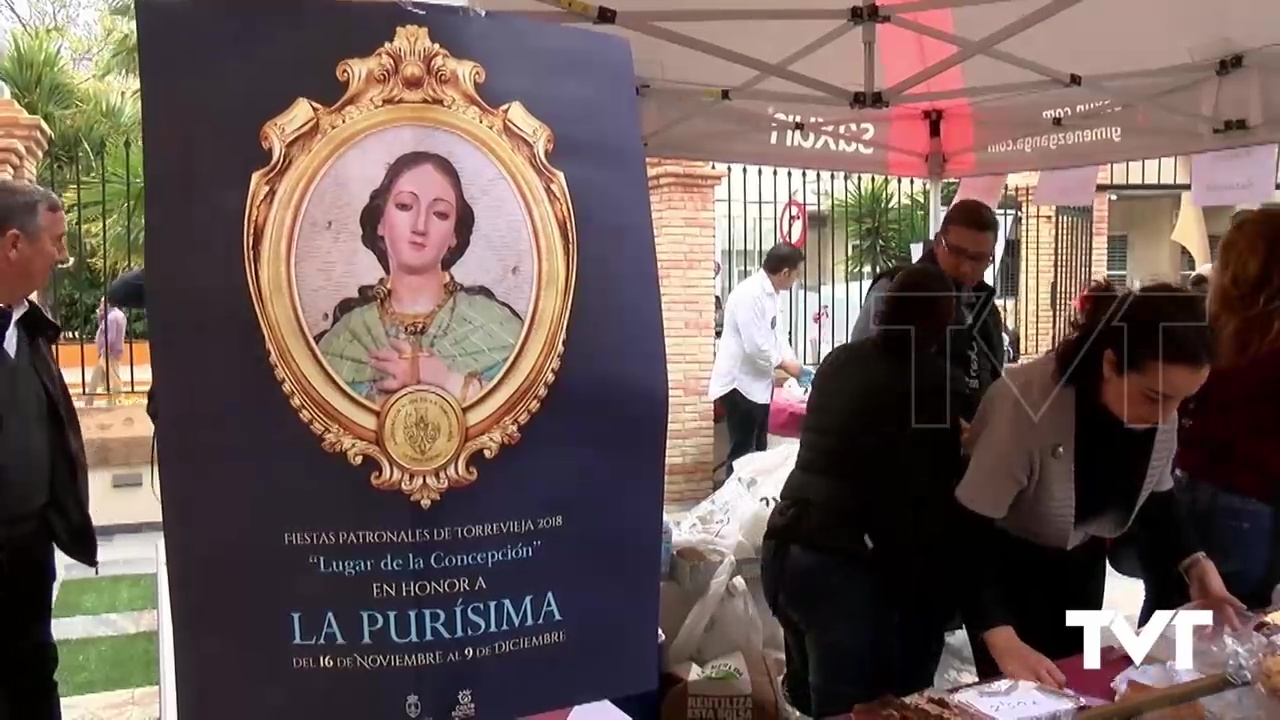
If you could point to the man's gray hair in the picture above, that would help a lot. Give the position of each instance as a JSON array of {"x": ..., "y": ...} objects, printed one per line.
[{"x": 21, "y": 204}]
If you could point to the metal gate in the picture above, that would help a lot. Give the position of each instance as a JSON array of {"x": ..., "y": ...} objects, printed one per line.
[
  {"x": 854, "y": 227},
  {"x": 1072, "y": 264}
]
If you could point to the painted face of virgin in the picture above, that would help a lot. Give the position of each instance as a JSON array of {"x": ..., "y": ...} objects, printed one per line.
[{"x": 418, "y": 222}]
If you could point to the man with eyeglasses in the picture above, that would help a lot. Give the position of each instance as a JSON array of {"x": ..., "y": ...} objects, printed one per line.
[{"x": 964, "y": 248}]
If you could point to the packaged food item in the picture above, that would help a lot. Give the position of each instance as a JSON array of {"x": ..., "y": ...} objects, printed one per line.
[
  {"x": 1269, "y": 625},
  {"x": 917, "y": 707},
  {"x": 1185, "y": 711},
  {"x": 1269, "y": 675},
  {"x": 1019, "y": 700}
]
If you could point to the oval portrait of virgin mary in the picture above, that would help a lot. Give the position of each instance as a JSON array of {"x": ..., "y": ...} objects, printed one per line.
[
  {"x": 414, "y": 265},
  {"x": 411, "y": 252}
]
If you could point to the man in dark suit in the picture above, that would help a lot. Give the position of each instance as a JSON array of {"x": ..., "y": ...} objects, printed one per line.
[{"x": 44, "y": 481}]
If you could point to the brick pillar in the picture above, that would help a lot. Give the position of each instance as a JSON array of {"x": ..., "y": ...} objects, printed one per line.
[
  {"x": 1039, "y": 237},
  {"x": 1038, "y": 233},
  {"x": 23, "y": 141},
  {"x": 682, "y": 196},
  {"x": 1101, "y": 229}
]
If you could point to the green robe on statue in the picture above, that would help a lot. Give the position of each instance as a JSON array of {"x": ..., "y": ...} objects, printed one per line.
[{"x": 472, "y": 334}]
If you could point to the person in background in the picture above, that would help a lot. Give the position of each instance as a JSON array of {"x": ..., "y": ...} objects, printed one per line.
[
  {"x": 964, "y": 248},
  {"x": 853, "y": 552},
  {"x": 742, "y": 375},
  {"x": 129, "y": 291},
  {"x": 106, "y": 374},
  {"x": 44, "y": 480},
  {"x": 1163, "y": 590},
  {"x": 1199, "y": 281},
  {"x": 1227, "y": 446},
  {"x": 1068, "y": 451}
]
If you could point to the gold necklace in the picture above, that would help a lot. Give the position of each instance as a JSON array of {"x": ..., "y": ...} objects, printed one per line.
[{"x": 411, "y": 324}]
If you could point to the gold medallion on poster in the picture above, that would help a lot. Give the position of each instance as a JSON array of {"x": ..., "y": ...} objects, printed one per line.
[{"x": 411, "y": 255}]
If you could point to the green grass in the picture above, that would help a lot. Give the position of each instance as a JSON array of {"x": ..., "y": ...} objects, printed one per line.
[
  {"x": 94, "y": 665},
  {"x": 100, "y": 595}
]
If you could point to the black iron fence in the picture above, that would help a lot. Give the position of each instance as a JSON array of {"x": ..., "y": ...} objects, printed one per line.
[
  {"x": 102, "y": 190},
  {"x": 854, "y": 226}
]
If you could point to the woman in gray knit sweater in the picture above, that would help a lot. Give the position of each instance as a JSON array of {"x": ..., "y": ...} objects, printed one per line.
[{"x": 1066, "y": 451}]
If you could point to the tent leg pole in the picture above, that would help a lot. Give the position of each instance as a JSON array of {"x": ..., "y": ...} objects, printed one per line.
[
  {"x": 868, "y": 54},
  {"x": 937, "y": 165},
  {"x": 935, "y": 206}
]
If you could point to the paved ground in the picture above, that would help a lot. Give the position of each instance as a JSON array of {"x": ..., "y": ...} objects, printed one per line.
[
  {"x": 136, "y": 704},
  {"x": 132, "y": 554},
  {"x": 118, "y": 555}
]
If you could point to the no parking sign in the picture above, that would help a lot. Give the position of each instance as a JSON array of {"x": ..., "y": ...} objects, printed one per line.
[{"x": 793, "y": 223}]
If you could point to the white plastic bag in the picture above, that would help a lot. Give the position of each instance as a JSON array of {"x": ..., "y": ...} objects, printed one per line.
[
  {"x": 727, "y": 529},
  {"x": 794, "y": 390},
  {"x": 740, "y": 508},
  {"x": 730, "y": 615},
  {"x": 684, "y": 647},
  {"x": 735, "y": 625}
]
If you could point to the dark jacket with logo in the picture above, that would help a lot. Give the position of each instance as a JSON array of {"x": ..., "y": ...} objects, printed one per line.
[
  {"x": 976, "y": 349},
  {"x": 69, "y": 519}
]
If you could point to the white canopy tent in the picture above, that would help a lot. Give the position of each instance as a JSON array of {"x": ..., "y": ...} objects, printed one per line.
[{"x": 943, "y": 88}]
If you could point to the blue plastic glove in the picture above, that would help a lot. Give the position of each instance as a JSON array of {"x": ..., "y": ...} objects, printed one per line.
[{"x": 806, "y": 377}]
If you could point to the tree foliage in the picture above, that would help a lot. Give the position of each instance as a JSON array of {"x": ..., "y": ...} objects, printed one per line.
[
  {"x": 880, "y": 219},
  {"x": 74, "y": 64}
]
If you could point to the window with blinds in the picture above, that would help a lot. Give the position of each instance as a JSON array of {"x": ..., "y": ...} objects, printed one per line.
[
  {"x": 1118, "y": 259},
  {"x": 1188, "y": 266},
  {"x": 1188, "y": 262}
]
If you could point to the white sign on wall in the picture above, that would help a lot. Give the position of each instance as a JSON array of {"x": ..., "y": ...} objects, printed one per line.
[
  {"x": 986, "y": 188},
  {"x": 1074, "y": 186},
  {"x": 1243, "y": 176}
]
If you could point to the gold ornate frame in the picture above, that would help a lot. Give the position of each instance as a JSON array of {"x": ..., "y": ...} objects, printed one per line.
[{"x": 409, "y": 81}]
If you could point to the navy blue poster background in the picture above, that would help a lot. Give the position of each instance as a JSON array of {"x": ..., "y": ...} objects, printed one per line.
[{"x": 241, "y": 471}]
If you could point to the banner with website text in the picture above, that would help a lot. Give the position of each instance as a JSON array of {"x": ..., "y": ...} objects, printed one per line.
[{"x": 409, "y": 348}]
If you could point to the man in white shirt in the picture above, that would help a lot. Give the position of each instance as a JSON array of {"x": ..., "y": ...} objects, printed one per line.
[{"x": 750, "y": 350}]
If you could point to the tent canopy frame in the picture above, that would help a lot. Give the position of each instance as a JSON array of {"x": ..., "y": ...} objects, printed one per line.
[{"x": 872, "y": 102}]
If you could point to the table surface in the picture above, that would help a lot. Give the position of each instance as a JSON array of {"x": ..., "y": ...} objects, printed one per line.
[{"x": 1095, "y": 683}]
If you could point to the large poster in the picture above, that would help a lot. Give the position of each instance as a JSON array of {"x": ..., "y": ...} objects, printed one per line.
[{"x": 408, "y": 356}]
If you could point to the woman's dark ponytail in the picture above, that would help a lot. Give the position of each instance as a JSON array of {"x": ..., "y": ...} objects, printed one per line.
[{"x": 1161, "y": 322}]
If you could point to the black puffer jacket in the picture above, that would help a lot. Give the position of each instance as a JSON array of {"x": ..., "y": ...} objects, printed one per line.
[{"x": 879, "y": 458}]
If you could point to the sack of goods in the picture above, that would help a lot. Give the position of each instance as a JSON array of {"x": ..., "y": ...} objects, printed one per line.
[{"x": 713, "y": 611}]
